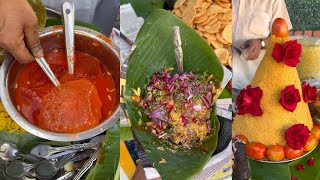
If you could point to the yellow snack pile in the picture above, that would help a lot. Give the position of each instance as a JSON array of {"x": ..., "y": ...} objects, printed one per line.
[{"x": 7, "y": 123}]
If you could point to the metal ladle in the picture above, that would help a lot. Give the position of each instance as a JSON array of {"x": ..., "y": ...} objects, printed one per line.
[{"x": 68, "y": 29}]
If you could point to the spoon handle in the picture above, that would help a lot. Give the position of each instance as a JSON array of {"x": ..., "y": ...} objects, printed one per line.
[
  {"x": 177, "y": 48},
  {"x": 30, "y": 157},
  {"x": 59, "y": 164},
  {"x": 68, "y": 27},
  {"x": 87, "y": 164},
  {"x": 74, "y": 147},
  {"x": 45, "y": 67},
  {"x": 83, "y": 155}
]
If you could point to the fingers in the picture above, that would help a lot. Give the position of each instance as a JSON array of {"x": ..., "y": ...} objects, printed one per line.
[
  {"x": 19, "y": 50},
  {"x": 252, "y": 53},
  {"x": 32, "y": 38}
]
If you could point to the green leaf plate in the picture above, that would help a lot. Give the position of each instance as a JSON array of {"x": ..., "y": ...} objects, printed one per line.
[
  {"x": 154, "y": 52},
  {"x": 108, "y": 160}
]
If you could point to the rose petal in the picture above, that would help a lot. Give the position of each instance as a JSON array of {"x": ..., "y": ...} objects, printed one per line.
[
  {"x": 310, "y": 161},
  {"x": 299, "y": 167},
  {"x": 278, "y": 52}
]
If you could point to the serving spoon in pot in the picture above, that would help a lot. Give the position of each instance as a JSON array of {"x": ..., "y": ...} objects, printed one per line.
[
  {"x": 68, "y": 28},
  {"x": 46, "y": 68}
]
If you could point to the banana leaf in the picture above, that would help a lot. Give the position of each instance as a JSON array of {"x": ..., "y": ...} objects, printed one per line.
[
  {"x": 267, "y": 171},
  {"x": 53, "y": 22},
  {"x": 309, "y": 172},
  {"x": 108, "y": 160},
  {"x": 154, "y": 52},
  {"x": 144, "y": 7},
  {"x": 126, "y": 134},
  {"x": 40, "y": 11},
  {"x": 18, "y": 138},
  {"x": 226, "y": 93}
]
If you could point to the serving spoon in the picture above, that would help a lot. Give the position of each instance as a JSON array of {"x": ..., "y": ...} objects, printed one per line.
[
  {"x": 45, "y": 169},
  {"x": 177, "y": 48},
  {"x": 45, "y": 151},
  {"x": 68, "y": 28},
  {"x": 9, "y": 151},
  {"x": 46, "y": 68},
  {"x": 179, "y": 56}
]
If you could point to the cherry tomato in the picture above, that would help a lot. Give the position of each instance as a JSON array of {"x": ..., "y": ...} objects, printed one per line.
[
  {"x": 275, "y": 153},
  {"x": 316, "y": 131},
  {"x": 242, "y": 138},
  {"x": 311, "y": 143},
  {"x": 280, "y": 28},
  {"x": 255, "y": 150},
  {"x": 291, "y": 153}
]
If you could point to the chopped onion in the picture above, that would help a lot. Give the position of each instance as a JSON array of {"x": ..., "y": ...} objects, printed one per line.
[
  {"x": 205, "y": 102},
  {"x": 162, "y": 135},
  {"x": 197, "y": 107}
]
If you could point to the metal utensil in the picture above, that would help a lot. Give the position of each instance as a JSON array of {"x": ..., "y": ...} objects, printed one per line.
[
  {"x": 46, "y": 68},
  {"x": 68, "y": 28},
  {"x": 177, "y": 48},
  {"x": 66, "y": 176},
  {"x": 58, "y": 155},
  {"x": 44, "y": 151},
  {"x": 82, "y": 155},
  {"x": 17, "y": 168},
  {"x": 48, "y": 169},
  {"x": 88, "y": 164},
  {"x": 9, "y": 151},
  {"x": 97, "y": 139}
]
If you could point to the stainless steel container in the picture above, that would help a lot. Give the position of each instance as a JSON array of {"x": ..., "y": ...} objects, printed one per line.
[{"x": 87, "y": 41}]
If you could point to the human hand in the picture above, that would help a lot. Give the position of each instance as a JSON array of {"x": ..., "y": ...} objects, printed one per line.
[
  {"x": 251, "y": 48},
  {"x": 19, "y": 30}
]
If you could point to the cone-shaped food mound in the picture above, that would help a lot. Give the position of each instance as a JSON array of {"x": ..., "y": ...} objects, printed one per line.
[{"x": 272, "y": 77}]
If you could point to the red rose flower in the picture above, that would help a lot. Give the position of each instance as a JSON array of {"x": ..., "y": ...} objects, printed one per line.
[
  {"x": 289, "y": 53},
  {"x": 248, "y": 101},
  {"x": 297, "y": 136},
  {"x": 309, "y": 92},
  {"x": 290, "y": 97}
]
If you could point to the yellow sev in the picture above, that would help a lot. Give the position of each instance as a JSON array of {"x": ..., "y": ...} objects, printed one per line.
[{"x": 7, "y": 123}]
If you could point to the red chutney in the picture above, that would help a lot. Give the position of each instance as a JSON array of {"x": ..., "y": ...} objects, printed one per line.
[{"x": 91, "y": 82}]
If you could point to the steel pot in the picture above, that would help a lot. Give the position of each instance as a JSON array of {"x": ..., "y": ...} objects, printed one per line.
[{"x": 87, "y": 41}]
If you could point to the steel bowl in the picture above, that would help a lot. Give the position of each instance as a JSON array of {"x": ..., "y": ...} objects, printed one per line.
[{"x": 87, "y": 41}]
